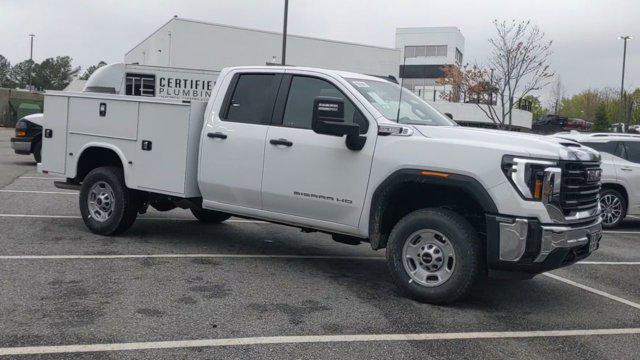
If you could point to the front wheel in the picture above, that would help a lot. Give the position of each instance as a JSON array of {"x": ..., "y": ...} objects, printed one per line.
[
  {"x": 614, "y": 208},
  {"x": 107, "y": 206},
  {"x": 434, "y": 256}
]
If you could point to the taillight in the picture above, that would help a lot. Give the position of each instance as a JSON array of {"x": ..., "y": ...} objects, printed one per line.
[{"x": 20, "y": 133}]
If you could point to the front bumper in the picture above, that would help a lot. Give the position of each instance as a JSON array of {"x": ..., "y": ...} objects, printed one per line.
[
  {"x": 21, "y": 146},
  {"x": 526, "y": 247}
]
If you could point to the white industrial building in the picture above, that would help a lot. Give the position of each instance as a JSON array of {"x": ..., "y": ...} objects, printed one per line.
[
  {"x": 416, "y": 60},
  {"x": 201, "y": 45}
]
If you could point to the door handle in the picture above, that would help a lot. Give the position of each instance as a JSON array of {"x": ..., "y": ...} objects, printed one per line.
[
  {"x": 283, "y": 142},
  {"x": 626, "y": 169},
  {"x": 217, "y": 135}
]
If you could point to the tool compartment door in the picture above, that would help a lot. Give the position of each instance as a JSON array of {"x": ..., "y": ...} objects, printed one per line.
[
  {"x": 161, "y": 155},
  {"x": 54, "y": 134}
]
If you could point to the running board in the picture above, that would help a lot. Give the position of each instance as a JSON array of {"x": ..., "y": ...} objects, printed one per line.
[{"x": 66, "y": 185}]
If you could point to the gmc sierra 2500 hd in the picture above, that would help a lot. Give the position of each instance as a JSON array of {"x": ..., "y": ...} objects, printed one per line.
[{"x": 341, "y": 153}]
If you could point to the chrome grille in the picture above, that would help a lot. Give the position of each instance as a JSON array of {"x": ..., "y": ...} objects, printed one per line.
[{"x": 578, "y": 193}]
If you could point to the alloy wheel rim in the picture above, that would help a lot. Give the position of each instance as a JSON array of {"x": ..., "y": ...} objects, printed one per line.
[
  {"x": 611, "y": 209},
  {"x": 101, "y": 201},
  {"x": 428, "y": 258}
]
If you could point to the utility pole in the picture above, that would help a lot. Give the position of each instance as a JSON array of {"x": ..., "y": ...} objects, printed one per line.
[
  {"x": 31, "y": 36},
  {"x": 284, "y": 33},
  {"x": 622, "y": 96}
]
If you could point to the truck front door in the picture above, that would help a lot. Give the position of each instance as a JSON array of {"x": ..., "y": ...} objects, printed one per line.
[
  {"x": 311, "y": 175},
  {"x": 234, "y": 141}
]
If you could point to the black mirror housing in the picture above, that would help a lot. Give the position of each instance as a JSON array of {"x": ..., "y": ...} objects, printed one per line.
[{"x": 328, "y": 119}]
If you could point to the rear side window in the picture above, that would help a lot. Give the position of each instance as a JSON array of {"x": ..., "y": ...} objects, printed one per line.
[
  {"x": 298, "y": 110},
  {"x": 608, "y": 147},
  {"x": 633, "y": 151},
  {"x": 620, "y": 151},
  {"x": 251, "y": 98}
]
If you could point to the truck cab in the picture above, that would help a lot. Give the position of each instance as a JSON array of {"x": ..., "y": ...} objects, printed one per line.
[{"x": 347, "y": 154}]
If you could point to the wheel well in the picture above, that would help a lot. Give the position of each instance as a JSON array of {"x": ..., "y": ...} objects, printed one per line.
[
  {"x": 619, "y": 188},
  {"x": 406, "y": 193},
  {"x": 95, "y": 157}
]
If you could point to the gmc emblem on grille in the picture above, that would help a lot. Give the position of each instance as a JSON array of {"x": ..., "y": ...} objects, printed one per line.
[{"x": 593, "y": 174}]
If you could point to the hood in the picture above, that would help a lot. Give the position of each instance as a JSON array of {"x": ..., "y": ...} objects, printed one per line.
[
  {"x": 512, "y": 143},
  {"x": 35, "y": 118}
]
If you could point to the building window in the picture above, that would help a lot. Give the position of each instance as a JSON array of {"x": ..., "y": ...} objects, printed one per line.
[
  {"x": 458, "y": 56},
  {"x": 140, "y": 84},
  {"x": 425, "y": 51}
]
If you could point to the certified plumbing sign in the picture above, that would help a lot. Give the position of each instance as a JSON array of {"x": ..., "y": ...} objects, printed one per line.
[{"x": 192, "y": 87}]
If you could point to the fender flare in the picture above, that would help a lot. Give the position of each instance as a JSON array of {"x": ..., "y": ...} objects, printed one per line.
[
  {"x": 382, "y": 193},
  {"x": 102, "y": 145}
]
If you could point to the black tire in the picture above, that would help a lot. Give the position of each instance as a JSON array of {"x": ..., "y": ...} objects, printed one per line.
[
  {"x": 606, "y": 220},
  {"x": 460, "y": 235},
  {"x": 125, "y": 205},
  {"x": 209, "y": 216},
  {"x": 37, "y": 151}
]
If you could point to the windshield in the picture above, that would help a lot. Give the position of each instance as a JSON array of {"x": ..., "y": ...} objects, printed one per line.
[{"x": 384, "y": 96}]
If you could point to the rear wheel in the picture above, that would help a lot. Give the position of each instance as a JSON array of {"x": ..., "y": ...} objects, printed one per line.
[
  {"x": 614, "y": 208},
  {"x": 107, "y": 206},
  {"x": 209, "y": 216},
  {"x": 434, "y": 256}
]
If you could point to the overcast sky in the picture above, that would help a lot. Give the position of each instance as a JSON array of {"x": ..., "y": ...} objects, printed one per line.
[{"x": 587, "y": 53}]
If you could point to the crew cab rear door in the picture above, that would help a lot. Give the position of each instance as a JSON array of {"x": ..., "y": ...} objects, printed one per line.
[
  {"x": 233, "y": 140},
  {"x": 310, "y": 175}
]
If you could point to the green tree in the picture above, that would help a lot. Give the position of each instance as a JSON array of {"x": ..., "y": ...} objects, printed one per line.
[
  {"x": 5, "y": 69},
  {"x": 54, "y": 73},
  {"x": 601, "y": 122},
  {"x": 87, "y": 73},
  {"x": 19, "y": 73}
]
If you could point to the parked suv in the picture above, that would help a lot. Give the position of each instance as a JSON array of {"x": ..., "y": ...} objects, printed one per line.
[{"x": 620, "y": 193}]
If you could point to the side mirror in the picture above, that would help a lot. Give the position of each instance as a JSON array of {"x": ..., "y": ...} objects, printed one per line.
[{"x": 328, "y": 119}]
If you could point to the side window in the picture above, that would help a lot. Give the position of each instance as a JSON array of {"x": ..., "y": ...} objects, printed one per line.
[
  {"x": 608, "y": 147},
  {"x": 633, "y": 151},
  {"x": 620, "y": 151},
  {"x": 298, "y": 110},
  {"x": 140, "y": 84},
  {"x": 251, "y": 96}
]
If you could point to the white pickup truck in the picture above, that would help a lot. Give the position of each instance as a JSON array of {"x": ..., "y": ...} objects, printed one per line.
[{"x": 341, "y": 153}]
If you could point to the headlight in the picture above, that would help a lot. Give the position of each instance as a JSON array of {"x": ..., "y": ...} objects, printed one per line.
[
  {"x": 21, "y": 128},
  {"x": 526, "y": 175}
]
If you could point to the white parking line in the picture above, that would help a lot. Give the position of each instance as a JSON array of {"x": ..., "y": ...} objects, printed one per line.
[
  {"x": 140, "y": 218},
  {"x": 621, "y": 232},
  {"x": 39, "y": 192},
  {"x": 594, "y": 291},
  {"x": 188, "y": 256},
  {"x": 608, "y": 262},
  {"x": 309, "y": 339}
]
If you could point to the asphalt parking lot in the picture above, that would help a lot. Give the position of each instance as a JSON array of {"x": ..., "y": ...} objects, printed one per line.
[{"x": 173, "y": 288}]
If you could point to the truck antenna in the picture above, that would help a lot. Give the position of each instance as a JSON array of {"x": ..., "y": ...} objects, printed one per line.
[{"x": 404, "y": 62}]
